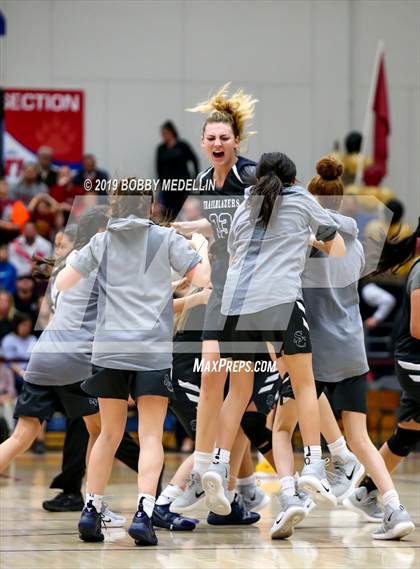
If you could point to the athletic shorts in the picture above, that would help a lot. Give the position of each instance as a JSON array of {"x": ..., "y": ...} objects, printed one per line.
[
  {"x": 408, "y": 375},
  {"x": 346, "y": 395},
  {"x": 185, "y": 380},
  {"x": 41, "y": 401},
  {"x": 266, "y": 391},
  {"x": 186, "y": 384},
  {"x": 119, "y": 384},
  {"x": 284, "y": 326}
]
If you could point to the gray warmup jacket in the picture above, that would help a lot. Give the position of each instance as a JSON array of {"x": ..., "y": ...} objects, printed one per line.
[
  {"x": 332, "y": 308},
  {"x": 134, "y": 258}
]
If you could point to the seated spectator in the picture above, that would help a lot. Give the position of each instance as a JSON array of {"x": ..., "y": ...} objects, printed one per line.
[
  {"x": 43, "y": 209},
  {"x": 7, "y": 392},
  {"x": 8, "y": 273},
  {"x": 47, "y": 174},
  {"x": 9, "y": 228},
  {"x": 28, "y": 187},
  {"x": 26, "y": 297},
  {"x": 60, "y": 221},
  {"x": 65, "y": 190},
  {"x": 18, "y": 345},
  {"x": 89, "y": 172},
  {"x": 28, "y": 245},
  {"x": 398, "y": 229},
  {"x": 7, "y": 313}
]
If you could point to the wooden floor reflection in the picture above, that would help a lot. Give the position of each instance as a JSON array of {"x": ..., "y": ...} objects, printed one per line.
[{"x": 333, "y": 539}]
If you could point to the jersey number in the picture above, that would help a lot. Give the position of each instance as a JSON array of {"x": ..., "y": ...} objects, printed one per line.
[{"x": 222, "y": 223}]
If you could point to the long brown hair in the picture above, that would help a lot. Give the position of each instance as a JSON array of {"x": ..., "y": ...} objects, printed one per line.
[{"x": 274, "y": 171}]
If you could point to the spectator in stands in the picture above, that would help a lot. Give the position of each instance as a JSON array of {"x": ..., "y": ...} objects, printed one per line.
[
  {"x": 17, "y": 348},
  {"x": 18, "y": 345},
  {"x": 192, "y": 210},
  {"x": 8, "y": 274},
  {"x": 65, "y": 190},
  {"x": 28, "y": 187},
  {"x": 60, "y": 221},
  {"x": 7, "y": 392},
  {"x": 7, "y": 313},
  {"x": 396, "y": 231},
  {"x": 23, "y": 248},
  {"x": 353, "y": 144},
  {"x": 26, "y": 297},
  {"x": 9, "y": 228},
  {"x": 175, "y": 160},
  {"x": 47, "y": 174},
  {"x": 89, "y": 172},
  {"x": 351, "y": 207},
  {"x": 43, "y": 209}
]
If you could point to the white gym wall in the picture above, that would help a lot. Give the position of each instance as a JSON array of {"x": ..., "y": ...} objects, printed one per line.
[{"x": 308, "y": 62}]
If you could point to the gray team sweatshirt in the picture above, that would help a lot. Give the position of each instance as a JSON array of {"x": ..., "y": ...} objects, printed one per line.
[
  {"x": 134, "y": 258},
  {"x": 266, "y": 264},
  {"x": 332, "y": 308}
]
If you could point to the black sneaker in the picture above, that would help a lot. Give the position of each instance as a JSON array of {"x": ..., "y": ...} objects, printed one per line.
[
  {"x": 239, "y": 515},
  {"x": 163, "y": 518},
  {"x": 141, "y": 529},
  {"x": 38, "y": 447},
  {"x": 90, "y": 524},
  {"x": 64, "y": 503}
]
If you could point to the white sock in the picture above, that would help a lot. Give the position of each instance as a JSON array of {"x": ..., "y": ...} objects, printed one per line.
[
  {"x": 339, "y": 448},
  {"x": 230, "y": 495},
  {"x": 288, "y": 485},
  {"x": 148, "y": 503},
  {"x": 313, "y": 453},
  {"x": 202, "y": 462},
  {"x": 247, "y": 481},
  {"x": 96, "y": 500},
  {"x": 221, "y": 455},
  {"x": 168, "y": 495},
  {"x": 391, "y": 499}
]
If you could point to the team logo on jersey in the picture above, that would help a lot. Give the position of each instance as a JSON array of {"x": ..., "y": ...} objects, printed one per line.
[
  {"x": 270, "y": 400},
  {"x": 299, "y": 339},
  {"x": 193, "y": 425},
  {"x": 168, "y": 383},
  {"x": 93, "y": 402}
]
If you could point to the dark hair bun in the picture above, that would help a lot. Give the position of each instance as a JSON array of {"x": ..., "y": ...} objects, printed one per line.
[{"x": 329, "y": 168}]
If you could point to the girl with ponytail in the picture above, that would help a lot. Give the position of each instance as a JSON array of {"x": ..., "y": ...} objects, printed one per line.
[
  {"x": 330, "y": 292},
  {"x": 262, "y": 299},
  {"x": 221, "y": 188}
]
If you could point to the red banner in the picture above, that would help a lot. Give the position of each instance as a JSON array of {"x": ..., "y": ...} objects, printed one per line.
[
  {"x": 42, "y": 117},
  {"x": 382, "y": 126}
]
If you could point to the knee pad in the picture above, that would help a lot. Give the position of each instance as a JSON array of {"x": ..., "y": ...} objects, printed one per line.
[
  {"x": 253, "y": 425},
  {"x": 403, "y": 441}
]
